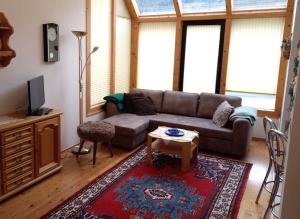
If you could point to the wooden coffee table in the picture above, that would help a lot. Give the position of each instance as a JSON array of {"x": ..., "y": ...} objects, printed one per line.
[{"x": 185, "y": 146}]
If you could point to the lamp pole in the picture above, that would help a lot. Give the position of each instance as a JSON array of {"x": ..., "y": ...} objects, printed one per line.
[{"x": 80, "y": 35}]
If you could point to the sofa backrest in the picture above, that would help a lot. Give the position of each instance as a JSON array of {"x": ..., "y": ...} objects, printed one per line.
[
  {"x": 176, "y": 102},
  {"x": 209, "y": 102},
  {"x": 155, "y": 95}
]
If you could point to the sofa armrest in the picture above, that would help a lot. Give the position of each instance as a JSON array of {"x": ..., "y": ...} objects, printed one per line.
[
  {"x": 242, "y": 135},
  {"x": 111, "y": 110}
]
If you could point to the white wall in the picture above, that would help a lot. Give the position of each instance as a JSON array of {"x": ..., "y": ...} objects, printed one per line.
[
  {"x": 291, "y": 194},
  {"x": 61, "y": 78},
  {"x": 285, "y": 114}
]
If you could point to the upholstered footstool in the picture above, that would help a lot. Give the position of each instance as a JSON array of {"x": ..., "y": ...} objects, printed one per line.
[{"x": 96, "y": 132}]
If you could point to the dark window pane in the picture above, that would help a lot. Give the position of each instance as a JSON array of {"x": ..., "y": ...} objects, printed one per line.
[
  {"x": 191, "y": 6},
  {"x": 155, "y": 7}
]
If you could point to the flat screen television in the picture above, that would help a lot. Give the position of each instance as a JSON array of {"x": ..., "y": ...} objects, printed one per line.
[{"x": 36, "y": 97}]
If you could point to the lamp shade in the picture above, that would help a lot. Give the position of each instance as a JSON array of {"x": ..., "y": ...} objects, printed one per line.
[
  {"x": 79, "y": 33},
  {"x": 95, "y": 49}
]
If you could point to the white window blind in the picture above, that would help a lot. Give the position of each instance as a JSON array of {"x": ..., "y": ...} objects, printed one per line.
[
  {"x": 254, "y": 56},
  {"x": 156, "y": 55},
  {"x": 122, "y": 62},
  {"x": 100, "y": 61},
  {"x": 201, "y": 58}
]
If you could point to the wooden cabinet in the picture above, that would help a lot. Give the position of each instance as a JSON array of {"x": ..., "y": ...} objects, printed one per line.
[
  {"x": 47, "y": 145},
  {"x": 6, "y": 30},
  {"x": 30, "y": 151}
]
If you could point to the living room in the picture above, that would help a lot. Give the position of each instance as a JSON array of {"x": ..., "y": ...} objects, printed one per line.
[{"x": 124, "y": 66}]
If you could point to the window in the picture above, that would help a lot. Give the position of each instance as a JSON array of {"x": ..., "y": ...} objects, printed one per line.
[
  {"x": 109, "y": 69},
  {"x": 156, "y": 55},
  {"x": 202, "y": 47},
  {"x": 155, "y": 7},
  {"x": 258, "y": 4},
  {"x": 100, "y": 35},
  {"x": 192, "y": 6},
  {"x": 254, "y": 59}
]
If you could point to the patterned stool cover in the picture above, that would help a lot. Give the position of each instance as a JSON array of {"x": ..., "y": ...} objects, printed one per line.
[{"x": 96, "y": 131}]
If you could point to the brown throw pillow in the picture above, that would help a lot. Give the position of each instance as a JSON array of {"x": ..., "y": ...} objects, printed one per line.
[
  {"x": 143, "y": 106},
  {"x": 128, "y": 106},
  {"x": 222, "y": 114},
  {"x": 139, "y": 104}
]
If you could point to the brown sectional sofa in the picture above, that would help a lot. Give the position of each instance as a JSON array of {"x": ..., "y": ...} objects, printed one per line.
[{"x": 183, "y": 110}]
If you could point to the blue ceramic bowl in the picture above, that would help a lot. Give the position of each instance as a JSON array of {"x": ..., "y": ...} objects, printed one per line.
[{"x": 173, "y": 131}]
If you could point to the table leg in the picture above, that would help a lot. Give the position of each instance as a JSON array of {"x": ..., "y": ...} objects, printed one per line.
[
  {"x": 149, "y": 149},
  {"x": 196, "y": 142},
  {"x": 186, "y": 156}
]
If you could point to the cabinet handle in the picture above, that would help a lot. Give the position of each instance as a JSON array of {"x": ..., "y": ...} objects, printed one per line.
[
  {"x": 18, "y": 160},
  {"x": 18, "y": 135},
  {"x": 19, "y": 171}
]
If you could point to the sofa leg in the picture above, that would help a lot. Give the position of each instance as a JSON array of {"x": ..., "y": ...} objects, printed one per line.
[
  {"x": 94, "y": 152},
  {"x": 110, "y": 149}
]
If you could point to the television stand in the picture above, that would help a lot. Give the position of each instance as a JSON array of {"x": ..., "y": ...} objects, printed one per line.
[
  {"x": 30, "y": 151},
  {"x": 41, "y": 111}
]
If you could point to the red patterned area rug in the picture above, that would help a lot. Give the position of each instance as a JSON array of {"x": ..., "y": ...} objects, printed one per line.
[{"x": 212, "y": 188}]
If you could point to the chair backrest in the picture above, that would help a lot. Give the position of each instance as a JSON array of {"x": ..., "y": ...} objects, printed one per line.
[
  {"x": 277, "y": 142},
  {"x": 268, "y": 125}
]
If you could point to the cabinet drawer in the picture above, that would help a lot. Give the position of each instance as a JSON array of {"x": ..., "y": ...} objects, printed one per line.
[
  {"x": 17, "y": 182},
  {"x": 19, "y": 170},
  {"x": 17, "y": 146},
  {"x": 18, "y": 159},
  {"x": 16, "y": 134}
]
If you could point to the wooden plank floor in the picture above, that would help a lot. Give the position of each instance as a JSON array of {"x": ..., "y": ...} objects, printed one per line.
[{"x": 40, "y": 198}]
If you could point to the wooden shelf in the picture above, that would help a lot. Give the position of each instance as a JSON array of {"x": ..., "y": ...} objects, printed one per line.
[
  {"x": 7, "y": 53},
  {"x": 6, "y": 30}
]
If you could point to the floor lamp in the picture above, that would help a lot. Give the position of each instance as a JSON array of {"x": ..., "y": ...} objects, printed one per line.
[{"x": 80, "y": 35}]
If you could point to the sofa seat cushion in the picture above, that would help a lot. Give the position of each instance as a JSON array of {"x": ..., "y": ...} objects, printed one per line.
[
  {"x": 129, "y": 124},
  {"x": 181, "y": 103},
  {"x": 205, "y": 127}
]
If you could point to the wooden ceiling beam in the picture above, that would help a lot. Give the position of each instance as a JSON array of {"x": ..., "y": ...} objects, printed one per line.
[
  {"x": 178, "y": 8},
  {"x": 160, "y": 18},
  {"x": 203, "y": 16},
  {"x": 228, "y": 7},
  {"x": 259, "y": 13},
  {"x": 132, "y": 9}
]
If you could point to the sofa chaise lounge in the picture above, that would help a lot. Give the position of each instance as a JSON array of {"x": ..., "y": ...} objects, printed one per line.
[{"x": 183, "y": 110}]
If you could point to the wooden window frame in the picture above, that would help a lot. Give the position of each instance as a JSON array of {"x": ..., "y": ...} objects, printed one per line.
[
  {"x": 94, "y": 109},
  {"x": 228, "y": 15}
]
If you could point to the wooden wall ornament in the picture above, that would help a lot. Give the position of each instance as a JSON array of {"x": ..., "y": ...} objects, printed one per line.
[
  {"x": 6, "y": 30},
  {"x": 286, "y": 47}
]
